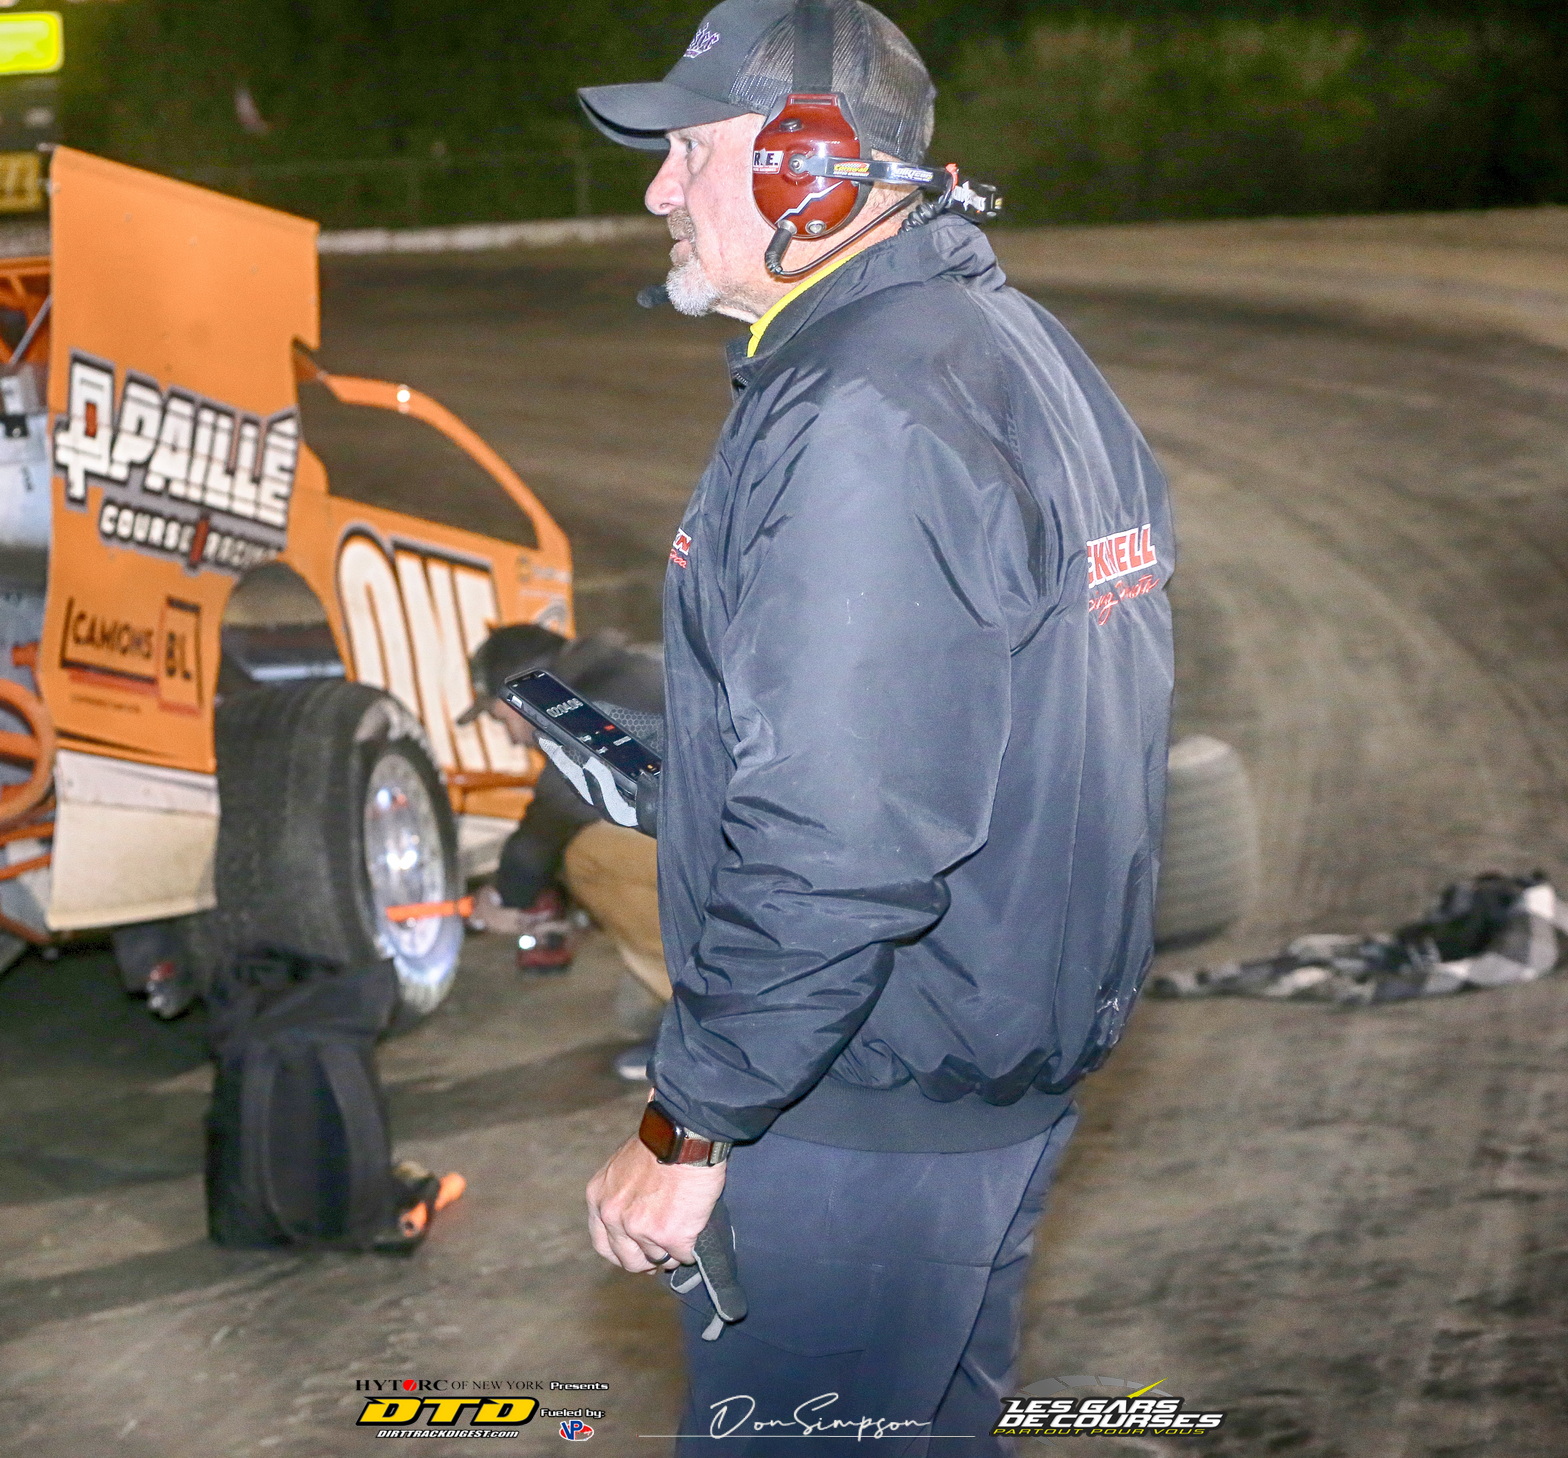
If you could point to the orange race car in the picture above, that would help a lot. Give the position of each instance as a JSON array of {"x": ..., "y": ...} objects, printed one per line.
[{"x": 231, "y": 579}]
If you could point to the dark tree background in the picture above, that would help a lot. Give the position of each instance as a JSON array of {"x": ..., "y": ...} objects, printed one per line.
[{"x": 1102, "y": 110}]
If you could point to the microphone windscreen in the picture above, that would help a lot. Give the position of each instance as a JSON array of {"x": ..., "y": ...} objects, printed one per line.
[{"x": 652, "y": 296}]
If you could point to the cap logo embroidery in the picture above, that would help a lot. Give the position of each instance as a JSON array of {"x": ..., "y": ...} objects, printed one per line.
[{"x": 703, "y": 42}]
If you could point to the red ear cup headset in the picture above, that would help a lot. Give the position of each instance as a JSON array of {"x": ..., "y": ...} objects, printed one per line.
[{"x": 810, "y": 172}]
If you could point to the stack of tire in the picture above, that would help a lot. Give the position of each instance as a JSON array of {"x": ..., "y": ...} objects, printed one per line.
[{"x": 1209, "y": 870}]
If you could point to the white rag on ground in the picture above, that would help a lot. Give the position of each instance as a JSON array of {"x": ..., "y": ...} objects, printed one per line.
[{"x": 1510, "y": 929}]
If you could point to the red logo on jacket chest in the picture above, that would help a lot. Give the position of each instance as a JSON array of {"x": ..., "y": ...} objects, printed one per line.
[
  {"x": 1111, "y": 560},
  {"x": 1119, "y": 554}
]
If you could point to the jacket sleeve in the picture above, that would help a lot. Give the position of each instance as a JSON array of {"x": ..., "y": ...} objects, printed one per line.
[{"x": 867, "y": 673}]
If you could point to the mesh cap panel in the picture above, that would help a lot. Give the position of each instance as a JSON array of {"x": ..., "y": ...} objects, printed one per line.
[{"x": 875, "y": 68}]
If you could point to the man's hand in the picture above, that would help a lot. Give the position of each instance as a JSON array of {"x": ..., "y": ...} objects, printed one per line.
[{"x": 642, "y": 1214}]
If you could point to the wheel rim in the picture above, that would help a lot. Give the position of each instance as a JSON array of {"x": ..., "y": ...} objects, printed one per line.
[
  {"x": 32, "y": 750},
  {"x": 407, "y": 865}
]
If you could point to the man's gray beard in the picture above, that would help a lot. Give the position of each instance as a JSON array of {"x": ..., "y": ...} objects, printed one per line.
[{"x": 691, "y": 290}]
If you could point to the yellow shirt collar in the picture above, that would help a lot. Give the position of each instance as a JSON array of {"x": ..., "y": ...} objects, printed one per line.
[{"x": 761, "y": 326}]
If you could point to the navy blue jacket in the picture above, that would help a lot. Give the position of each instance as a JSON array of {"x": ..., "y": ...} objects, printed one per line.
[{"x": 918, "y": 680}]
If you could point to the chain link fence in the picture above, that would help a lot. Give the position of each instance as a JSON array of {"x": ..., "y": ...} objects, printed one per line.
[{"x": 415, "y": 191}]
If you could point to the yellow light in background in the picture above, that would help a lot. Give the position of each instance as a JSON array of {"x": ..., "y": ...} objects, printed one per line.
[
  {"x": 31, "y": 43},
  {"x": 21, "y": 182}
]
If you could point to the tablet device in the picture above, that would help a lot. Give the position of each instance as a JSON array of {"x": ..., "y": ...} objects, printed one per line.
[{"x": 581, "y": 728}]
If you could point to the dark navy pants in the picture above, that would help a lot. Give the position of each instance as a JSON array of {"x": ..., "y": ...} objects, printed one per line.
[{"x": 884, "y": 1293}]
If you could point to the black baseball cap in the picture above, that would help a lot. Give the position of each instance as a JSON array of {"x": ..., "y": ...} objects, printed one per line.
[
  {"x": 742, "y": 59},
  {"x": 508, "y": 651}
]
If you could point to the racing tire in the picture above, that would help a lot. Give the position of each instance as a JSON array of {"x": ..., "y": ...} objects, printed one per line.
[
  {"x": 333, "y": 811},
  {"x": 1209, "y": 866}
]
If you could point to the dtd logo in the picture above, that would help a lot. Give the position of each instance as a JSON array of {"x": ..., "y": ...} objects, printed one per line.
[{"x": 447, "y": 1412}]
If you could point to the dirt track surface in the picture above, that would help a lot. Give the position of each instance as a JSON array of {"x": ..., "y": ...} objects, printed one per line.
[
  {"x": 1504, "y": 271},
  {"x": 1348, "y": 1230}
]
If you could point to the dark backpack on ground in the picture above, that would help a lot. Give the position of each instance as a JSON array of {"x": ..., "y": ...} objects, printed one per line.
[{"x": 298, "y": 1144}]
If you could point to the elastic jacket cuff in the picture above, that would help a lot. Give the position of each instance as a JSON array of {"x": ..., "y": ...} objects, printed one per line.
[{"x": 736, "y": 1126}]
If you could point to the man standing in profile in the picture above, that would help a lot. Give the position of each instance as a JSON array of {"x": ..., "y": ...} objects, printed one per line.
[{"x": 918, "y": 678}]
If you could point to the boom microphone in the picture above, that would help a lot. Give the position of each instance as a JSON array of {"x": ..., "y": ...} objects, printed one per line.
[{"x": 652, "y": 296}]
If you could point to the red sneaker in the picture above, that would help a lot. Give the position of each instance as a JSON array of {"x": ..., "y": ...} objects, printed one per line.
[{"x": 548, "y": 936}]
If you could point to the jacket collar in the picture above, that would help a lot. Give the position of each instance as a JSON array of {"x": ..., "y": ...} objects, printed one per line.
[{"x": 950, "y": 247}]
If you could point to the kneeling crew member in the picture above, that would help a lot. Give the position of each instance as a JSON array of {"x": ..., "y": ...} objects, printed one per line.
[{"x": 526, "y": 899}]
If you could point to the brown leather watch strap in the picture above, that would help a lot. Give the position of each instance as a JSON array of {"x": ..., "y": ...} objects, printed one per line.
[{"x": 672, "y": 1143}]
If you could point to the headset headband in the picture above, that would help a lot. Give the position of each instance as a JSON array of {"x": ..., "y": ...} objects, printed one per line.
[{"x": 813, "y": 46}]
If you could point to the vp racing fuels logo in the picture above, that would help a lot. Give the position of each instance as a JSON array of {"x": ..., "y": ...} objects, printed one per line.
[{"x": 182, "y": 476}]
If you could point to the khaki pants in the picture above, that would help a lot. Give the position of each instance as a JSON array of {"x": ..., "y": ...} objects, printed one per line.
[{"x": 613, "y": 873}]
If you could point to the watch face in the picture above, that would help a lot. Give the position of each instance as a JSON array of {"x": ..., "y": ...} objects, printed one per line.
[{"x": 658, "y": 1132}]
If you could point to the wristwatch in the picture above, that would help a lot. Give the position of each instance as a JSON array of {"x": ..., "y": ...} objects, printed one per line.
[{"x": 673, "y": 1143}]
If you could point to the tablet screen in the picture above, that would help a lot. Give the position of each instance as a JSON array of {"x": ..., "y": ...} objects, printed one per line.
[{"x": 581, "y": 721}]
